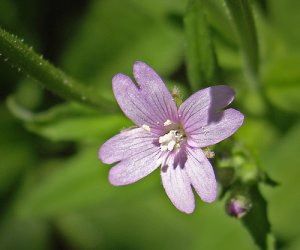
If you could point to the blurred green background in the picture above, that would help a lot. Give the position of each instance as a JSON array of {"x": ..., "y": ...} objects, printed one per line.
[{"x": 54, "y": 191}]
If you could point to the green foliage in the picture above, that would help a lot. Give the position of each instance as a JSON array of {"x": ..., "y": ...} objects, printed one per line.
[
  {"x": 286, "y": 24},
  {"x": 12, "y": 167},
  {"x": 242, "y": 17},
  {"x": 32, "y": 234},
  {"x": 201, "y": 59},
  {"x": 258, "y": 216},
  {"x": 114, "y": 34},
  {"x": 24, "y": 58},
  {"x": 283, "y": 164},
  {"x": 54, "y": 190},
  {"x": 63, "y": 186},
  {"x": 284, "y": 71},
  {"x": 70, "y": 122}
]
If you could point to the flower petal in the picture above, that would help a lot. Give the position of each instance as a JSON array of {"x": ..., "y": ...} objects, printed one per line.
[
  {"x": 136, "y": 167},
  {"x": 178, "y": 188},
  {"x": 126, "y": 144},
  {"x": 203, "y": 135},
  {"x": 151, "y": 104},
  {"x": 199, "y": 106},
  {"x": 201, "y": 174},
  {"x": 155, "y": 91}
]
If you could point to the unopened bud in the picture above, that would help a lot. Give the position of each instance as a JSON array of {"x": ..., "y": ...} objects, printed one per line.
[
  {"x": 238, "y": 206},
  {"x": 176, "y": 96}
]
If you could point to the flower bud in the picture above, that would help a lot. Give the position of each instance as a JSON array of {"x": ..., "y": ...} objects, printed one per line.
[
  {"x": 238, "y": 206},
  {"x": 176, "y": 96}
]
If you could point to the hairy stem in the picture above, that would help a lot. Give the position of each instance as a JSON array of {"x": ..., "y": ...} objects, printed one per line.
[{"x": 23, "y": 57}]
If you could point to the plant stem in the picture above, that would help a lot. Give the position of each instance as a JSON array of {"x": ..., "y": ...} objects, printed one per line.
[{"x": 23, "y": 57}]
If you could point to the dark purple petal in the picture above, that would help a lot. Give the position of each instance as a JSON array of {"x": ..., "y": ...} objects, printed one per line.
[
  {"x": 203, "y": 135},
  {"x": 136, "y": 167},
  {"x": 201, "y": 174},
  {"x": 199, "y": 106},
  {"x": 150, "y": 104},
  {"x": 126, "y": 144},
  {"x": 178, "y": 188}
]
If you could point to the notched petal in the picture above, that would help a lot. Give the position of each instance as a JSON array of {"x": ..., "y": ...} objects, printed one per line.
[
  {"x": 199, "y": 106},
  {"x": 214, "y": 132},
  {"x": 126, "y": 144},
  {"x": 178, "y": 188},
  {"x": 201, "y": 174},
  {"x": 150, "y": 103},
  {"x": 135, "y": 168}
]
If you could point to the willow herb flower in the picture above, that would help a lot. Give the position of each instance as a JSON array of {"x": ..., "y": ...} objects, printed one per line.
[{"x": 168, "y": 137}]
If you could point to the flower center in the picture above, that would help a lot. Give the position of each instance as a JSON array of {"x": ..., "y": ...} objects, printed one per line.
[{"x": 171, "y": 140}]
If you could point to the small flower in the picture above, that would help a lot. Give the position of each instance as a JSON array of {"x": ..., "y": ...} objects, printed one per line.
[{"x": 169, "y": 137}]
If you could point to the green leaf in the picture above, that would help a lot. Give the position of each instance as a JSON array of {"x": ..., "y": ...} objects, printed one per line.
[
  {"x": 70, "y": 122},
  {"x": 242, "y": 18},
  {"x": 68, "y": 185},
  {"x": 24, "y": 58},
  {"x": 282, "y": 162},
  {"x": 254, "y": 128},
  {"x": 282, "y": 82},
  {"x": 25, "y": 234},
  {"x": 16, "y": 158},
  {"x": 256, "y": 221},
  {"x": 219, "y": 21},
  {"x": 201, "y": 58},
  {"x": 152, "y": 223},
  {"x": 286, "y": 24},
  {"x": 114, "y": 34}
]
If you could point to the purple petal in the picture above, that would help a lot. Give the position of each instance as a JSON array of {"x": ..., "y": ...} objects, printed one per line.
[
  {"x": 126, "y": 144},
  {"x": 201, "y": 174},
  {"x": 198, "y": 107},
  {"x": 150, "y": 104},
  {"x": 155, "y": 91},
  {"x": 226, "y": 125},
  {"x": 178, "y": 188},
  {"x": 136, "y": 167}
]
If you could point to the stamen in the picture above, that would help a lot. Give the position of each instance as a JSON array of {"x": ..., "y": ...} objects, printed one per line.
[
  {"x": 209, "y": 153},
  {"x": 171, "y": 145},
  {"x": 167, "y": 123},
  {"x": 146, "y": 127},
  {"x": 171, "y": 140},
  {"x": 159, "y": 161}
]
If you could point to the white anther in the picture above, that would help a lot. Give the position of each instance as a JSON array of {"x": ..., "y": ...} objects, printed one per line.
[
  {"x": 167, "y": 123},
  {"x": 159, "y": 161},
  {"x": 171, "y": 145},
  {"x": 170, "y": 140},
  {"x": 146, "y": 127},
  {"x": 166, "y": 138}
]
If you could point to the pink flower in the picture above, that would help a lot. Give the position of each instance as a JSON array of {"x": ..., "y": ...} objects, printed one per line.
[{"x": 169, "y": 137}]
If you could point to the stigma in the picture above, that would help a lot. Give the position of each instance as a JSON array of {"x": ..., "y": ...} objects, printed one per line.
[{"x": 171, "y": 140}]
